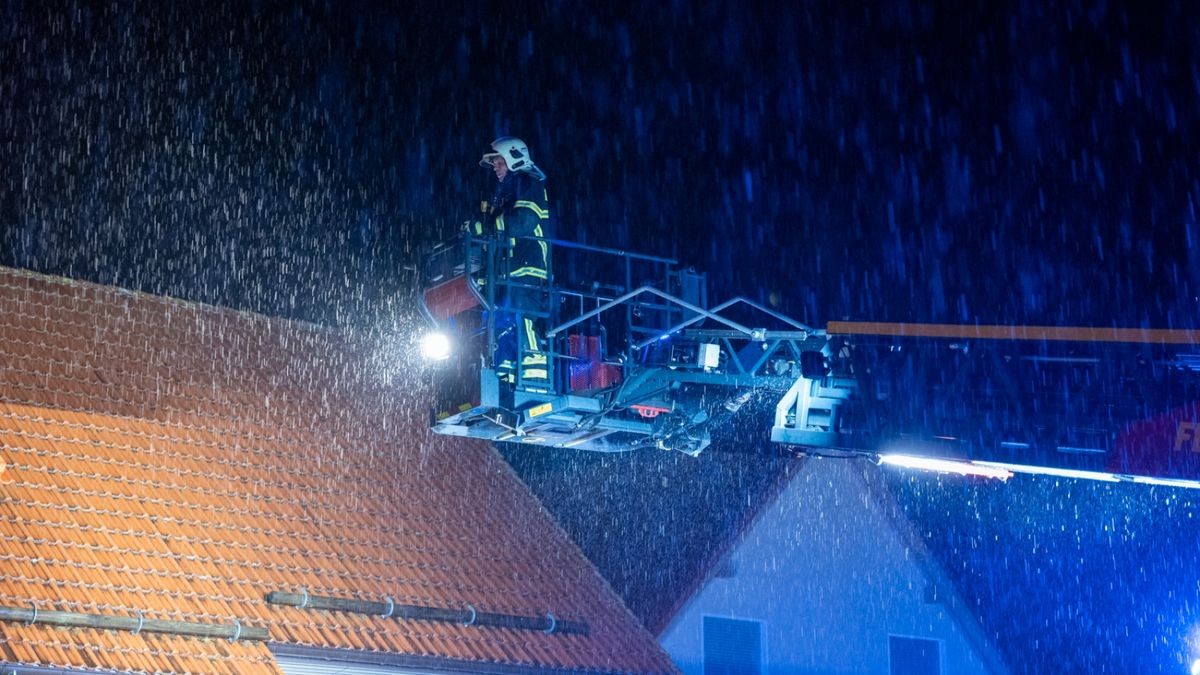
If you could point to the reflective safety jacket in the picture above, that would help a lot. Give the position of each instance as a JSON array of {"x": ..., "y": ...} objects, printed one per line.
[{"x": 519, "y": 208}]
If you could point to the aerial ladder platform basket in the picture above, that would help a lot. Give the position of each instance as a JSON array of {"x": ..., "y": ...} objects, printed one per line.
[{"x": 638, "y": 358}]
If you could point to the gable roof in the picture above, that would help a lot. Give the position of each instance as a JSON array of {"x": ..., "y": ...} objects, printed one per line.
[
  {"x": 860, "y": 482},
  {"x": 669, "y": 511},
  {"x": 174, "y": 461}
]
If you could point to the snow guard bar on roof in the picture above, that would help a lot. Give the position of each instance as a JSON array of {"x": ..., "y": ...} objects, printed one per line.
[{"x": 638, "y": 358}]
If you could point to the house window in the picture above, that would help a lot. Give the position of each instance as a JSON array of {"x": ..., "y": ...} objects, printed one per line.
[
  {"x": 914, "y": 656},
  {"x": 732, "y": 646}
]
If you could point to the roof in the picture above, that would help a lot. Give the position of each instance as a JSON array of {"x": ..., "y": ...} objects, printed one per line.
[
  {"x": 1068, "y": 575},
  {"x": 945, "y": 590},
  {"x": 674, "y": 515},
  {"x": 175, "y": 461},
  {"x": 861, "y": 482}
]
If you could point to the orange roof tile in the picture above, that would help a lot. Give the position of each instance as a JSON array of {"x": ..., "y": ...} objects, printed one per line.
[{"x": 182, "y": 461}]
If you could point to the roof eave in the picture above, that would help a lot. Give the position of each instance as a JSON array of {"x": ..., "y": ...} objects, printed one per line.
[{"x": 432, "y": 664}]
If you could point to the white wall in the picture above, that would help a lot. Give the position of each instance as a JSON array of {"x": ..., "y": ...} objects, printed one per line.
[{"x": 829, "y": 576}]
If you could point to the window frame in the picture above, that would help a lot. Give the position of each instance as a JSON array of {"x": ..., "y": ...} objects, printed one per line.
[
  {"x": 941, "y": 652},
  {"x": 762, "y": 638}
]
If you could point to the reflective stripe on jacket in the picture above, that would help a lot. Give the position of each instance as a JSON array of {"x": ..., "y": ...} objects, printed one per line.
[{"x": 521, "y": 208}]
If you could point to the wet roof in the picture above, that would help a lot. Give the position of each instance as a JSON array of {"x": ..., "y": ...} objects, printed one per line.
[{"x": 176, "y": 461}]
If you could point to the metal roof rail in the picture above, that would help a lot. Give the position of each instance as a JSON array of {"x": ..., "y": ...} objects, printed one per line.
[
  {"x": 135, "y": 625},
  {"x": 468, "y": 617}
]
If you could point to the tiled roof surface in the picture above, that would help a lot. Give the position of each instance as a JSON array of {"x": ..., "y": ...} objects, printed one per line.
[{"x": 181, "y": 461}]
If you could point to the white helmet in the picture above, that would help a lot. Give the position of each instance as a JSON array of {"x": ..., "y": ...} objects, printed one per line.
[{"x": 513, "y": 150}]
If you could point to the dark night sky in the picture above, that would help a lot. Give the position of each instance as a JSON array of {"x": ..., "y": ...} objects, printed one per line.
[
  {"x": 966, "y": 162},
  {"x": 960, "y": 161}
]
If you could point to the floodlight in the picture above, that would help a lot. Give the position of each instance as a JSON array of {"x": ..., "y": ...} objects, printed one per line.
[{"x": 435, "y": 346}]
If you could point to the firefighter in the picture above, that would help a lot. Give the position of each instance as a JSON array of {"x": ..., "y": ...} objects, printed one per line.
[{"x": 519, "y": 209}]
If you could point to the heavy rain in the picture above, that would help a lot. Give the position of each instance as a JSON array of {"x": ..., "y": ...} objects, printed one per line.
[{"x": 950, "y": 163}]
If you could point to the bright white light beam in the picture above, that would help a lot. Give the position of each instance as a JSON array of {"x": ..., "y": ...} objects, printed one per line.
[
  {"x": 1053, "y": 471},
  {"x": 1168, "y": 482},
  {"x": 945, "y": 466},
  {"x": 435, "y": 346}
]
